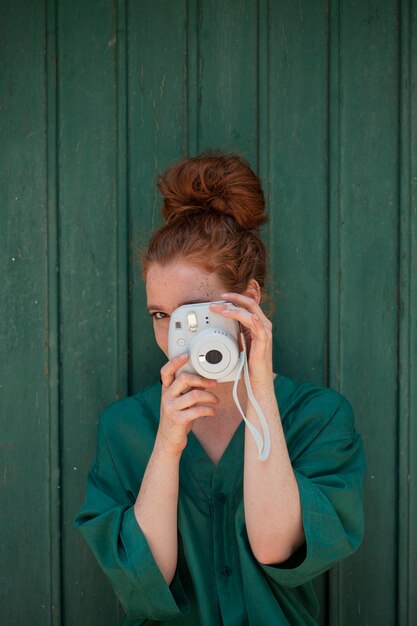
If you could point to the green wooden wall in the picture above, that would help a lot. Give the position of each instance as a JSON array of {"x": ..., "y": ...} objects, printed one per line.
[{"x": 96, "y": 98}]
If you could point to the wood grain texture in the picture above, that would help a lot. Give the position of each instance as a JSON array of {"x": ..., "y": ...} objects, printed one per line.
[
  {"x": 367, "y": 271},
  {"x": 407, "y": 458},
  {"x": 55, "y": 556},
  {"x": 89, "y": 275},
  {"x": 157, "y": 78},
  {"x": 24, "y": 393},
  {"x": 298, "y": 185},
  {"x": 227, "y": 103}
]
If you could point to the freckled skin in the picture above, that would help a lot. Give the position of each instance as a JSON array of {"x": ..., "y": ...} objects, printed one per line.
[{"x": 172, "y": 285}]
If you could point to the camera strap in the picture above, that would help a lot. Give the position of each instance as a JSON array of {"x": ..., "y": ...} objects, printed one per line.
[{"x": 263, "y": 442}]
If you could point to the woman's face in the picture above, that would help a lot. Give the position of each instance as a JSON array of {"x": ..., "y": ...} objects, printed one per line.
[{"x": 170, "y": 286}]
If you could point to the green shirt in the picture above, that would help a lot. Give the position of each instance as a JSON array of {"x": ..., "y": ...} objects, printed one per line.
[{"x": 218, "y": 579}]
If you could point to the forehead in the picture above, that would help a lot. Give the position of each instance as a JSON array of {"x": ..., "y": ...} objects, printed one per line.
[{"x": 177, "y": 283}]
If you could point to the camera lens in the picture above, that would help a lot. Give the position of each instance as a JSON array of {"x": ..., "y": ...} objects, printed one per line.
[
  {"x": 214, "y": 353},
  {"x": 213, "y": 357}
]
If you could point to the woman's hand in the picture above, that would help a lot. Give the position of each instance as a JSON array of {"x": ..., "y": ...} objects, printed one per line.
[
  {"x": 184, "y": 399},
  {"x": 258, "y": 334},
  {"x": 272, "y": 500}
]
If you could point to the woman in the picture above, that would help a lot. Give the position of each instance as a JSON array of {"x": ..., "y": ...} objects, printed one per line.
[{"x": 188, "y": 523}]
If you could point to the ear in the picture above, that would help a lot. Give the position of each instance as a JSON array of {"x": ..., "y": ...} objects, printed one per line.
[{"x": 253, "y": 290}]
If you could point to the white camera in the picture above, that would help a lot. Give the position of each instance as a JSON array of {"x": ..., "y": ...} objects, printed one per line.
[{"x": 210, "y": 340}]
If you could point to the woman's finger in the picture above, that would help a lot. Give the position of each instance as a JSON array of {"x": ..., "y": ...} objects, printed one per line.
[
  {"x": 186, "y": 380},
  {"x": 199, "y": 410},
  {"x": 246, "y": 303},
  {"x": 169, "y": 369},
  {"x": 193, "y": 397},
  {"x": 249, "y": 320}
]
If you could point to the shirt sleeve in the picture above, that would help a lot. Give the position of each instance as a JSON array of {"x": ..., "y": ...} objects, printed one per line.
[
  {"x": 108, "y": 525},
  {"x": 329, "y": 474}
]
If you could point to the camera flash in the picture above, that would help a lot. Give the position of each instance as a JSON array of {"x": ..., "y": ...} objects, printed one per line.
[{"x": 192, "y": 322}]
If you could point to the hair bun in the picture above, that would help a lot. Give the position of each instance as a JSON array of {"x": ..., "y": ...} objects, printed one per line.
[{"x": 214, "y": 182}]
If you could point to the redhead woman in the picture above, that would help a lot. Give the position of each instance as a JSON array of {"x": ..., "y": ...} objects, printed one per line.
[{"x": 216, "y": 502}]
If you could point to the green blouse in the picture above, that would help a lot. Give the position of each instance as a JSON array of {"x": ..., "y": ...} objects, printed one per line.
[{"x": 218, "y": 580}]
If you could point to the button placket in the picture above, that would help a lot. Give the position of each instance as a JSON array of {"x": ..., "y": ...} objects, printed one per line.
[{"x": 225, "y": 556}]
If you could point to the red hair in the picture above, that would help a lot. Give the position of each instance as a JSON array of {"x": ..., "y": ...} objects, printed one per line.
[{"x": 213, "y": 207}]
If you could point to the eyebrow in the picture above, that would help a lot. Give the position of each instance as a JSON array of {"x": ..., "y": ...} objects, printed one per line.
[{"x": 154, "y": 307}]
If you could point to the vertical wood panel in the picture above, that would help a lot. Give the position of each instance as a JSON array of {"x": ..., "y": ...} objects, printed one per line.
[
  {"x": 262, "y": 104},
  {"x": 407, "y": 541},
  {"x": 411, "y": 477},
  {"x": 25, "y": 547},
  {"x": 367, "y": 270},
  {"x": 122, "y": 351},
  {"x": 298, "y": 166},
  {"x": 53, "y": 314},
  {"x": 334, "y": 184},
  {"x": 90, "y": 296},
  {"x": 227, "y": 109},
  {"x": 193, "y": 69},
  {"x": 157, "y": 137}
]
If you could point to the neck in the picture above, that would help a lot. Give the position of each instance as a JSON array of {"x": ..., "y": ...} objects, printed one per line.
[
  {"x": 227, "y": 413},
  {"x": 215, "y": 432}
]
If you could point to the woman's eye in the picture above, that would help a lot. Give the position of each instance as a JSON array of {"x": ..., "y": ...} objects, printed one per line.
[{"x": 158, "y": 315}]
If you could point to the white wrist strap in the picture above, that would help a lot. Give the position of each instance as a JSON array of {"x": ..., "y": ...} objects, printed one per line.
[{"x": 264, "y": 445}]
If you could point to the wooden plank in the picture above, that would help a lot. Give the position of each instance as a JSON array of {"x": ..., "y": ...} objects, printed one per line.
[
  {"x": 53, "y": 315},
  {"x": 192, "y": 68},
  {"x": 157, "y": 78},
  {"x": 298, "y": 171},
  {"x": 364, "y": 270},
  {"x": 227, "y": 89},
  {"x": 407, "y": 540},
  {"x": 25, "y": 504},
  {"x": 92, "y": 274}
]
